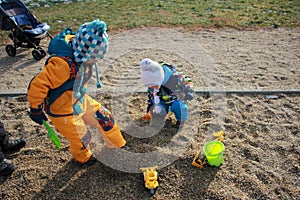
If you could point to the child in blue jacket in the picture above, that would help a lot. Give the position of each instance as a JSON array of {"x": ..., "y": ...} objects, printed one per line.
[{"x": 168, "y": 90}]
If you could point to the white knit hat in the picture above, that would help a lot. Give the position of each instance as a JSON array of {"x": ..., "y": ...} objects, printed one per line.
[{"x": 152, "y": 73}]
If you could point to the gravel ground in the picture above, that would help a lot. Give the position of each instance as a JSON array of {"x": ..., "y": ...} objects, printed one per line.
[{"x": 261, "y": 130}]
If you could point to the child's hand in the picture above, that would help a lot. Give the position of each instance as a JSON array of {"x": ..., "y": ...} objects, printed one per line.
[
  {"x": 146, "y": 116},
  {"x": 37, "y": 115},
  {"x": 188, "y": 97}
]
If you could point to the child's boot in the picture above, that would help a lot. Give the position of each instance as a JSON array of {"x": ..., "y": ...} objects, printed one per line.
[
  {"x": 12, "y": 145},
  {"x": 6, "y": 166},
  {"x": 179, "y": 124}
]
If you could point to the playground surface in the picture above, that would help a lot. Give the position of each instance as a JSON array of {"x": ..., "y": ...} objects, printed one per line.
[{"x": 261, "y": 157}]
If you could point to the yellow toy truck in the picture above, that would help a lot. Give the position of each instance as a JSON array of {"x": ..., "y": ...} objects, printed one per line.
[{"x": 150, "y": 178}]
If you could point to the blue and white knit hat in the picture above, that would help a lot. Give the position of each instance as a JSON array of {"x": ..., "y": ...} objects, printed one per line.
[{"x": 91, "y": 41}]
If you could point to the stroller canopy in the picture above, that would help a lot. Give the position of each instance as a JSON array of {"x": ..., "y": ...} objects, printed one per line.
[{"x": 14, "y": 14}]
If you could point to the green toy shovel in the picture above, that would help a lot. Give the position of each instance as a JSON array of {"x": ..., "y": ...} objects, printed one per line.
[{"x": 52, "y": 135}]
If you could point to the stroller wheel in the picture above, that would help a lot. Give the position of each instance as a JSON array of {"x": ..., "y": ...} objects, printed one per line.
[
  {"x": 38, "y": 54},
  {"x": 43, "y": 52},
  {"x": 10, "y": 50}
]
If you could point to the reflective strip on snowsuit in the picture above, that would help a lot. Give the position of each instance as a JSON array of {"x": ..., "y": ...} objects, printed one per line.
[{"x": 73, "y": 127}]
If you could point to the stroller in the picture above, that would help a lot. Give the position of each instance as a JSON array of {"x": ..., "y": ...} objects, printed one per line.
[{"x": 27, "y": 32}]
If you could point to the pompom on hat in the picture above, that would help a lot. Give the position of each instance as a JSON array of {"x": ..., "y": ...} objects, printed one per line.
[
  {"x": 91, "y": 41},
  {"x": 152, "y": 73}
]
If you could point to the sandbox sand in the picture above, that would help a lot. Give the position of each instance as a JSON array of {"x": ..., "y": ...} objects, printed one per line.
[{"x": 261, "y": 129}]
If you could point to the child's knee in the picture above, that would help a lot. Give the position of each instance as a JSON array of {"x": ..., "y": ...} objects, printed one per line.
[
  {"x": 180, "y": 110},
  {"x": 105, "y": 119}
]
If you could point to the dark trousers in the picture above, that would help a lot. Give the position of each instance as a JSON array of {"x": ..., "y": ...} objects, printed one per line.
[{"x": 3, "y": 140}]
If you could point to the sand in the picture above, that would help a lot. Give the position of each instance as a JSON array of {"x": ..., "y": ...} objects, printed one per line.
[{"x": 247, "y": 84}]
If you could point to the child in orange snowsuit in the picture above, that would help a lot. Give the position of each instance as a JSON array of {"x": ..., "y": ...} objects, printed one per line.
[{"x": 60, "y": 90}]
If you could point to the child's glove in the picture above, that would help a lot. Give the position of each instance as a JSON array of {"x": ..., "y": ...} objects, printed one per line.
[
  {"x": 146, "y": 117},
  {"x": 37, "y": 115}
]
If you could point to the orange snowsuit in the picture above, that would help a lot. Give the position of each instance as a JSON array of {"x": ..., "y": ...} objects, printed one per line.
[{"x": 61, "y": 112}]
